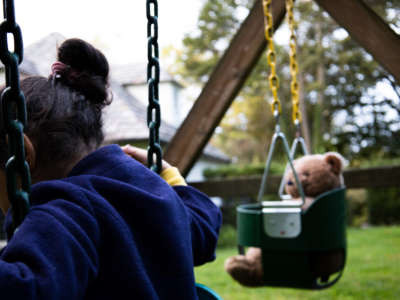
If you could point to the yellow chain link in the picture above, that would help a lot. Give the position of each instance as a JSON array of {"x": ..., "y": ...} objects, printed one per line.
[
  {"x": 271, "y": 56},
  {"x": 294, "y": 69}
]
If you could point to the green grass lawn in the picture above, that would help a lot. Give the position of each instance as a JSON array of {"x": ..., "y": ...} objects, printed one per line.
[{"x": 372, "y": 271}]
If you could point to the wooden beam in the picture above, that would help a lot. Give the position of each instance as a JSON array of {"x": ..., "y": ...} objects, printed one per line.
[
  {"x": 380, "y": 177},
  {"x": 224, "y": 84},
  {"x": 369, "y": 30}
]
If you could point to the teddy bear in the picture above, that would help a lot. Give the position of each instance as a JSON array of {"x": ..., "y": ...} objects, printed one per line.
[{"x": 317, "y": 173}]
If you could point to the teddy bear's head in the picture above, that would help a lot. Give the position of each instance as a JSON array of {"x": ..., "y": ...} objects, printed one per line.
[{"x": 317, "y": 173}]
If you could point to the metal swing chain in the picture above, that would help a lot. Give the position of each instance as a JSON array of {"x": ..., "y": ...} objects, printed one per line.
[
  {"x": 153, "y": 79},
  {"x": 294, "y": 86},
  {"x": 271, "y": 58},
  {"x": 274, "y": 85},
  {"x": 294, "y": 69},
  {"x": 14, "y": 117}
]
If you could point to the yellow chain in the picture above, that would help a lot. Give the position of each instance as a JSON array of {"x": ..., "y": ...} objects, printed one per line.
[
  {"x": 294, "y": 69},
  {"x": 271, "y": 56}
]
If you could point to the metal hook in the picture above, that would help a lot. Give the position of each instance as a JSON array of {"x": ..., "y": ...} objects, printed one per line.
[
  {"x": 297, "y": 141},
  {"x": 277, "y": 117},
  {"x": 279, "y": 135}
]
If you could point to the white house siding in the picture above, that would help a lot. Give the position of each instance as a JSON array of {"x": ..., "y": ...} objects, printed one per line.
[
  {"x": 169, "y": 95},
  {"x": 196, "y": 174}
]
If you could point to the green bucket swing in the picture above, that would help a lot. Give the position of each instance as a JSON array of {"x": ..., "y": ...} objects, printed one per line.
[
  {"x": 298, "y": 262},
  {"x": 300, "y": 248}
]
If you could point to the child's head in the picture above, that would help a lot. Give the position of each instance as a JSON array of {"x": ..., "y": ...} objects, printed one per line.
[{"x": 64, "y": 110}]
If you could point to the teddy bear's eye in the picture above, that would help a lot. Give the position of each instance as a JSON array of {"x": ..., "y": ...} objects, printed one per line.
[{"x": 306, "y": 173}]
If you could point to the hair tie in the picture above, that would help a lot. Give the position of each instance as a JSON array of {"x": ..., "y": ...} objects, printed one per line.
[{"x": 57, "y": 68}]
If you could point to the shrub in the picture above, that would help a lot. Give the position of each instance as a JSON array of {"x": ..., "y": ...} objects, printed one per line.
[
  {"x": 357, "y": 207},
  {"x": 384, "y": 206},
  {"x": 230, "y": 171}
]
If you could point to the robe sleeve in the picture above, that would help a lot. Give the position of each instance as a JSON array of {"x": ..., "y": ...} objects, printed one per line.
[{"x": 205, "y": 221}]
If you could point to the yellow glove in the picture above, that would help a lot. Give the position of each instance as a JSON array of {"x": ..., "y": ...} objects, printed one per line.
[{"x": 172, "y": 176}]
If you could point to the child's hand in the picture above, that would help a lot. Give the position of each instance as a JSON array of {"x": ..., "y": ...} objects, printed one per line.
[{"x": 141, "y": 155}]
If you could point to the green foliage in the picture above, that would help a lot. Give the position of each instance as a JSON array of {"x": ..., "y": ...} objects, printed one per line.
[
  {"x": 357, "y": 208},
  {"x": 372, "y": 272},
  {"x": 202, "y": 49},
  {"x": 377, "y": 161},
  {"x": 384, "y": 206}
]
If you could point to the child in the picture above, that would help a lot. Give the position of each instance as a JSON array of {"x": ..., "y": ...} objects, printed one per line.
[{"x": 101, "y": 225}]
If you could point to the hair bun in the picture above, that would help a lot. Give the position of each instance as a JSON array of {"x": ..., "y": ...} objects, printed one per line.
[{"x": 87, "y": 70}]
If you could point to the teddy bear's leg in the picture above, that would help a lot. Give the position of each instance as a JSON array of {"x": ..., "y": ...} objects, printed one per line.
[{"x": 246, "y": 269}]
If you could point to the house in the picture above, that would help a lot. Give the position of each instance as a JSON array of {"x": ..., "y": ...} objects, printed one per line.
[{"x": 133, "y": 77}]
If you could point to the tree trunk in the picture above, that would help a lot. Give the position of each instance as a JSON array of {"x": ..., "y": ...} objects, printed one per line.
[
  {"x": 305, "y": 125},
  {"x": 319, "y": 124}
]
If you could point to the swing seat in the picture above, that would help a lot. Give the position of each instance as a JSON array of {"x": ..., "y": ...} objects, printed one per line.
[
  {"x": 205, "y": 293},
  {"x": 307, "y": 260}
]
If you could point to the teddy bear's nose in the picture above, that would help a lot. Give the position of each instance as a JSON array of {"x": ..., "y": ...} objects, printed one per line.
[
  {"x": 303, "y": 177},
  {"x": 290, "y": 182}
]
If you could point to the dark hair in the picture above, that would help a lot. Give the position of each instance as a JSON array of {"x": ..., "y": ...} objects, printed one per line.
[{"x": 65, "y": 110}]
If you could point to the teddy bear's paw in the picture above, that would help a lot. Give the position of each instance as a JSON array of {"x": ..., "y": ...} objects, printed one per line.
[{"x": 245, "y": 271}]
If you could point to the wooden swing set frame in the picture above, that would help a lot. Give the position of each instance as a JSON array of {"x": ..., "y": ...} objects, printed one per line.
[{"x": 230, "y": 74}]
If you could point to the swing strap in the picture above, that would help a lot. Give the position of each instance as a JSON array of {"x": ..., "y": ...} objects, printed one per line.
[{"x": 13, "y": 109}]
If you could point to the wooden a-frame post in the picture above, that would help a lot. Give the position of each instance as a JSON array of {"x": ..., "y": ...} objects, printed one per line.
[
  {"x": 368, "y": 30},
  {"x": 222, "y": 87}
]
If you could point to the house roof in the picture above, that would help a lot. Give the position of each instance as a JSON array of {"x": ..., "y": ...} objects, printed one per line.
[
  {"x": 39, "y": 56},
  {"x": 42, "y": 54},
  {"x": 125, "y": 119},
  {"x": 136, "y": 74}
]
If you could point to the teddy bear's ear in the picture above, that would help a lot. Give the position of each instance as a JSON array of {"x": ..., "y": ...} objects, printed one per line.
[{"x": 336, "y": 161}]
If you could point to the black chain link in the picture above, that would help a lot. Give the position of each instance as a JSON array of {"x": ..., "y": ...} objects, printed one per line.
[
  {"x": 153, "y": 79},
  {"x": 14, "y": 118}
]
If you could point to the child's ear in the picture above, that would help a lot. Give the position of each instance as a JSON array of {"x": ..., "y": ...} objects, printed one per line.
[
  {"x": 335, "y": 160},
  {"x": 30, "y": 152}
]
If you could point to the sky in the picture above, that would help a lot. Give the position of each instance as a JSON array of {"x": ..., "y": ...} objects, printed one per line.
[{"x": 118, "y": 28}]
